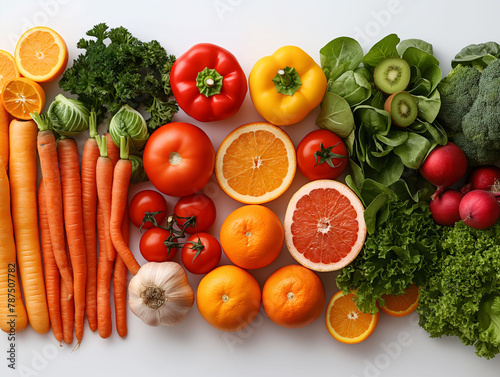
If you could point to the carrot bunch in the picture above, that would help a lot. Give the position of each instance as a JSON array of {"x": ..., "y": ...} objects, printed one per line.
[{"x": 74, "y": 210}]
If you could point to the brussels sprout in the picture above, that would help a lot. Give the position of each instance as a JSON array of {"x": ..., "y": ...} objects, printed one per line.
[
  {"x": 68, "y": 116},
  {"x": 131, "y": 124},
  {"x": 138, "y": 172}
]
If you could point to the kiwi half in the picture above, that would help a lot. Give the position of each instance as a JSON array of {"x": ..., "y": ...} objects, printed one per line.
[
  {"x": 402, "y": 107},
  {"x": 392, "y": 75}
]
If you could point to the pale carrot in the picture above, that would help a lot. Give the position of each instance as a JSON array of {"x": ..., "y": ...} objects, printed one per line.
[
  {"x": 89, "y": 208},
  {"x": 120, "y": 283},
  {"x": 52, "y": 277},
  {"x": 13, "y": 316},
  {"x": 4, "y": 137},
  {"x": 69, "y": 166},
  {"x": 104, "y": 272},
  {"x": 47, "y": 152},
  {"x": 119, "y": 197},
  {"x": 23, "y": 186},
  {"x": 67, "y": 310}
]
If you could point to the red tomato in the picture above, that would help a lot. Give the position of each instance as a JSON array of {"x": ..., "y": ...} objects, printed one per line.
[
  {"x": 201, "y": 253},
  {"x": 146, "y": 205},
  {"x": 179, "y": 159},
  {"x": 321, "y": 162},
  {"x": 198, "y": 205},
  {"x": 152, "y": 245}
]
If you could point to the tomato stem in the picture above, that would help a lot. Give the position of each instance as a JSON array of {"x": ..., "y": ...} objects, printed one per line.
[{"x": 326, "y": 155}]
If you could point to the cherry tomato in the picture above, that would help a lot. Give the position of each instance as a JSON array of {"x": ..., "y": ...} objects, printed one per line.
[
  {"x": 198, "y": 205},
  {"x": 179, "y": 159},
  {"x": 152, "y": 245},
  {"x": 319, "y": 155},
  {"x": 201, "y": 253},
  {"x": 150, "y": 204}
]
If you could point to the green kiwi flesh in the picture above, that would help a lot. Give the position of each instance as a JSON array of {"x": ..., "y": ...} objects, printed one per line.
[
  {"x": 392, "y": 75},
  {"x": 402, "y": 107}
]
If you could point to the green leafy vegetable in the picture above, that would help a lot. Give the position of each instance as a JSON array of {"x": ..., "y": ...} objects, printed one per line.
[
  {"x": 131, "y": 124},
  {"x": 118, "y": 69},
  {"x": 402, "y": 252},
  {"x": 335, "y": 115},
  {"x": 340, "y": 55},
  {"x": 462, "y": 295},
  {"x": 68, "y": 116}
]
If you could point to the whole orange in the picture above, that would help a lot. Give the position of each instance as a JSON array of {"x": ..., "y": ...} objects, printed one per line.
[
  {"x": 252, "y": 236},
  {"x": 293, "y": 296},
  {"x": 228, "y": 298}
]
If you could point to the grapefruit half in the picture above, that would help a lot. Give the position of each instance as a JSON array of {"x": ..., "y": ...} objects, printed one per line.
[{"x": 324, "y": 225}]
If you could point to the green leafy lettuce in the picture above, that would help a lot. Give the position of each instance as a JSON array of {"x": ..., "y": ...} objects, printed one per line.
[
  {"x": 462, "y": 296},
  {"x": 402, "y": 252}
]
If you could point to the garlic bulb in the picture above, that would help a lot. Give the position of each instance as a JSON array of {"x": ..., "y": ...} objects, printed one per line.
[{"x": 160, "y": 294}]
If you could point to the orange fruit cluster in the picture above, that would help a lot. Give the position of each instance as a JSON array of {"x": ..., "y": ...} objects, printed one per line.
[{"x": 41, "y": 55}]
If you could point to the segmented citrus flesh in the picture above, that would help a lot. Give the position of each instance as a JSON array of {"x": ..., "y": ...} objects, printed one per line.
[
  {"x": 8, "y": 69},
  {"x": 22, "y": 96},
  {"x": 324, "y": 225},
  {"x": 256, "y": 163},
  {"x": 345, "y": 322},
  {"x": 401, "y": 305}
]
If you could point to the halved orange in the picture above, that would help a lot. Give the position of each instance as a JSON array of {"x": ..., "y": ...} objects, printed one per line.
[
  {"x": 255, "y": 163},
  {"x": 41, "y": 54},
  {"x": 22, "y": 96},
  {"x": 8, "y": 68},
  {"x": 324, "y": 225},
  {"x": 401, "y": 305},
  {"x": 345, "y": 322}
]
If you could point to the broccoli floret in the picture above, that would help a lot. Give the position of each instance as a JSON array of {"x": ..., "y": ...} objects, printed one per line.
[
  {"x": 470, "y": 111},
  {"x": 482, "y": 123},
  {"x": 458, "y": 91}
]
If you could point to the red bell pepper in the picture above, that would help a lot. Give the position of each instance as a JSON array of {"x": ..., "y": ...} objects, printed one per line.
[{"x": 208, "y": 83}]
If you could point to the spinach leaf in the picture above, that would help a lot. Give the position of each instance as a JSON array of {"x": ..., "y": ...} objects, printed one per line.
[
  {"x": 417, "y": 43},
  {"x": 477, "y": 54},
  {"x": 340, "y": 55},
  {"x": 413, "y": 151},
  {"x": 428, "y": 107},
  {"x": 335, "y": 115},
  {"x": 385, "y": 48},
  {"x": 352, "y": 86}
]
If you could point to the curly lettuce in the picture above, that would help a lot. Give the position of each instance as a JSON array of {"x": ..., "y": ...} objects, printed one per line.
[
  {"x": 401, "y": 252},
  {"x": 462, "y": 296}
]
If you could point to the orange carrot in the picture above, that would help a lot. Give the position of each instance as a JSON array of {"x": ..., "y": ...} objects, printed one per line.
[
  {"x": 104, "y": 272},
  {"x": 52, "y": 277},
  {"x": 23, "y": 185},
  {"x": 89, "y": 208},
  {"x": 104, "y": 183},
  {"x": 69, "y": 166},
  {"x": 67, "y": 309},
  {"x": 13, "y": 317},
  {"x": 120, "y": 284},
  {"x": 4, "y": 136},
  {"x": 119, "y": 195},
  {"x": 47, "y": 152},
  {"x": 113, "y": 150}
]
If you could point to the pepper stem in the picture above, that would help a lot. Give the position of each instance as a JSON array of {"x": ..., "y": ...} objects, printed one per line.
[
  {"x": 209, "y": 82},
  {"x": 285, "y": 78}
]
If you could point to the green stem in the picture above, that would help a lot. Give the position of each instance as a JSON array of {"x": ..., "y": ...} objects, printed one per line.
[
  {"x": 93, "y": 124},
  {"x": 124, "y": 147},
  {"x": 209, "y": 82},
  {"x": 42, "y": 121},
  {"x": 326, "y": 155},
  {"x": 102, "y": 144},
  {"x": 285, "y": 78}
]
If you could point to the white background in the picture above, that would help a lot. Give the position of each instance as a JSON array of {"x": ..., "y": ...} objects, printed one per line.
[{"x": 252, "y": 29}]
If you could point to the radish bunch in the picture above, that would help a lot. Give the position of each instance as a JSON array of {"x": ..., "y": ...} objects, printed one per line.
[{"x": 476, "y": 204}]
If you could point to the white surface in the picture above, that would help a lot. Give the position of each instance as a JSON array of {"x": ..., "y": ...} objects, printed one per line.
[{"x": 252, "y": 29}]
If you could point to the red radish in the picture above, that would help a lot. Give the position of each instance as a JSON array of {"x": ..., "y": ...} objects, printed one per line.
[
  {"x": 485, "y": 178},
  {"x": 479, "y": 209},
  {"x": 444, "y": 166},
  {"x": 444, "y": 207}
]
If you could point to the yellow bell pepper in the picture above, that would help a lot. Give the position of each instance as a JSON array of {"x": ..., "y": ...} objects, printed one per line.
[{"x": 286, "y": 85}]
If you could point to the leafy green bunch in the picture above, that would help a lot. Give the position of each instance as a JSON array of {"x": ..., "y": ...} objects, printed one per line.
[
  {"x": 462, "y": 296},
  {"x": 118, "y": 69}
]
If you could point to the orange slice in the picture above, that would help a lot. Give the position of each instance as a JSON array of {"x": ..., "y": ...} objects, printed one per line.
[
  {"x": 8, "y": 68},
  {"x": 401, "y": 305},
  {"x": 41, "y": 54},
  {"x": 255, "y": 163},
  {"x": 22, "y": 96},
  {"x": 345, "y": 322},
  {"x": 324, "y": 225}
]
